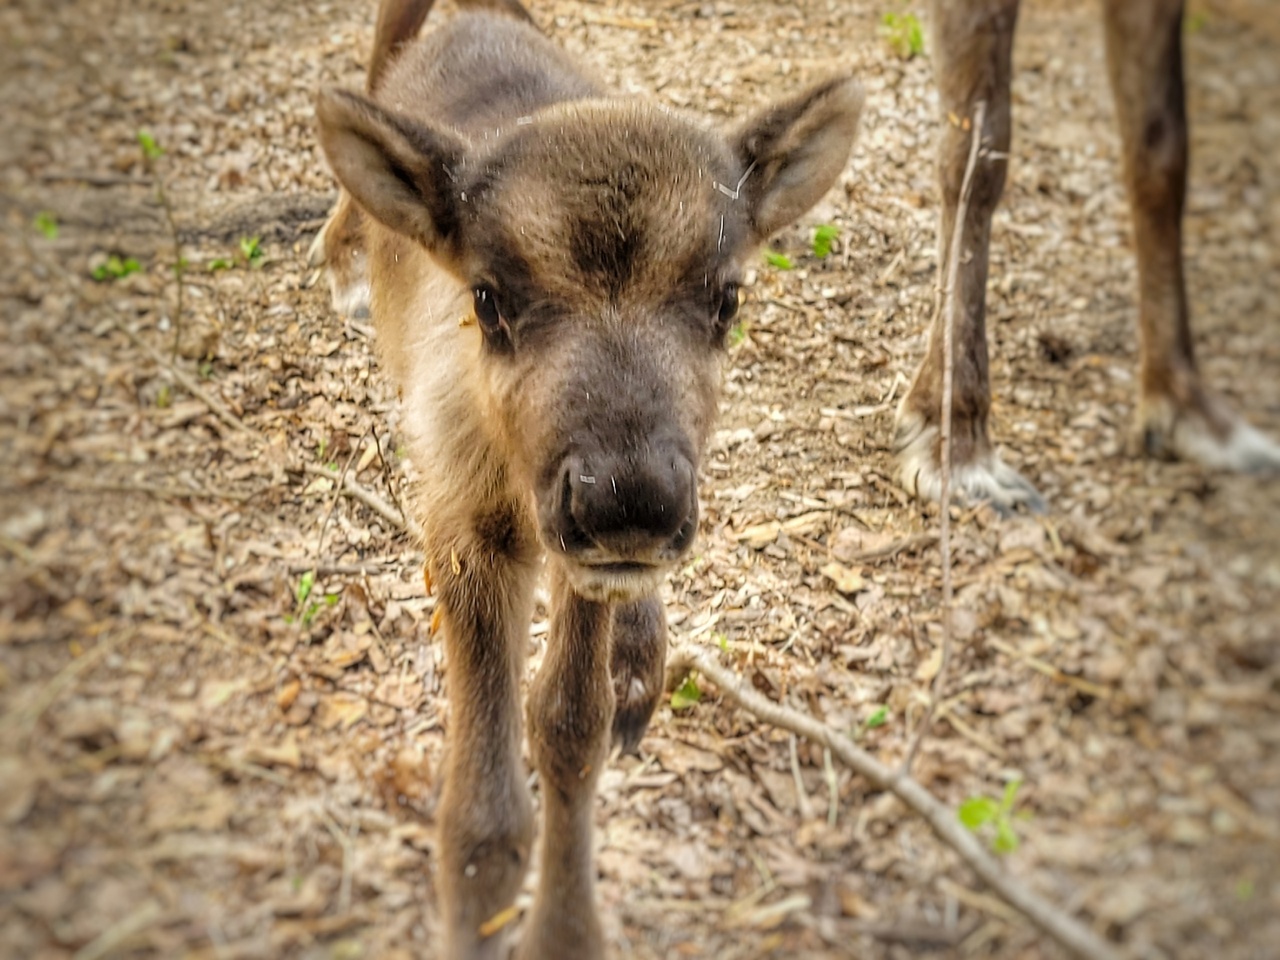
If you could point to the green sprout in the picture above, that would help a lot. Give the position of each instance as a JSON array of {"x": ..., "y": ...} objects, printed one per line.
[
  {"x": 823, "y": 237},
  {"x": 150, "y": 149},
  {"x": 686, "y": 695},
  {"x": 47, "y": 224},
  {"x": 979, "y": 812},
  {"x": 904, "y": 34},
  {"x": 251, "y": 250},
  {"x": 779, "y": 260},
  {"x": 219, "y": 263},
  {"x": 115, "y": 268},
  {"x": 877, "y": 719}
]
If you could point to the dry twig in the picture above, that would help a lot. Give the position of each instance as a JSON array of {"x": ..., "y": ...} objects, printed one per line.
[
  {"x": 352, "y": 489},
  {"x": 948, "y": 306},
  {"x": 188, "y": 382},
  {"x": 1063, "y": 928}
]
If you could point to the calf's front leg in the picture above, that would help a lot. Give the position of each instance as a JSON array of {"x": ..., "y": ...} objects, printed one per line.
[
  {"x": 973, "y": 63},
  {"x": 483, "y": 572},
  {"x": 571, "y": 706}
]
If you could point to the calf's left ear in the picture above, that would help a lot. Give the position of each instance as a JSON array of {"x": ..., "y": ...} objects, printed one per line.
[{"x": 795, "y": 149}]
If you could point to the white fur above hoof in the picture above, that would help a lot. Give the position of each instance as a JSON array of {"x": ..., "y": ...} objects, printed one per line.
[
  {"x": 1180, "y": 435},
  {"x": 986, "y": 480}
]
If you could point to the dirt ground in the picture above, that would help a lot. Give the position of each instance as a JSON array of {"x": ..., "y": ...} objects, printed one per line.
[{"x": 196, "y": 763}]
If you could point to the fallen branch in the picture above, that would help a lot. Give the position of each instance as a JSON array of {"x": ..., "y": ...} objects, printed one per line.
[
  {"x": 1060, "y": 926},
  {"x": 188, "y": 382},
  {"x": 948, "y": 305},
  {"x": 352, "y": 489}
]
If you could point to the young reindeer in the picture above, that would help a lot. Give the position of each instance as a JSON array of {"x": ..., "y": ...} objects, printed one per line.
[{"x": 552, "y": 272}]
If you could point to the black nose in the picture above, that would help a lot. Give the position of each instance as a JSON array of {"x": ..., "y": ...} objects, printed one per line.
[{"x": 633, "y": 507}]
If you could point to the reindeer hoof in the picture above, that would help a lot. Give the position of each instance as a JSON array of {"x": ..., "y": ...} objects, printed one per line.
[
  {"x": 1213, "y": 436},
  {"x": 987, "y": 479}
]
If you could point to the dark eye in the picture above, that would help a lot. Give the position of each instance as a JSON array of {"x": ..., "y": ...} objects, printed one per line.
[
  {"x": 487, "y": 312},
  {"x": 728, "y": 306}
]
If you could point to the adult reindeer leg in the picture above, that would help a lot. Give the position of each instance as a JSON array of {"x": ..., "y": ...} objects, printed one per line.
[
  {"x": 1177, "y": 415},
  {"x": 973, "y": 41}
]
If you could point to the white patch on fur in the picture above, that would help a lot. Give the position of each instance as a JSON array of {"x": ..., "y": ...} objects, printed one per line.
[
  {"x": 1189, "y": 437},
  {"x": 988, "y": 479}
]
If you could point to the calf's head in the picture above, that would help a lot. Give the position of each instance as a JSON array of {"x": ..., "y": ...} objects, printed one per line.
[{"x": 603, "y": 242}]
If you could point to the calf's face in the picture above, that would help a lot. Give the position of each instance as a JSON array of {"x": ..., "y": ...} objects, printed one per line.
[{"x": 603, "y": 242}]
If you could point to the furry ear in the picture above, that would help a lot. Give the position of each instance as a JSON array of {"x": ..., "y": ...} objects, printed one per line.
[
  {"x": 794, "y": 151},
  {"x": 399, "y": 171}
]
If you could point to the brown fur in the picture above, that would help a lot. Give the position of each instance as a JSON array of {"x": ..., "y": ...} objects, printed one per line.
[
  {"x": 552, "y": 272},
  {"x": 1177, "y": 415}
]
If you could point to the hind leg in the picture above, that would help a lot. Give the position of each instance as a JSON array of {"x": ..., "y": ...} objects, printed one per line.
[
  {"x": 1178, "y": 417},
  {"x": 340, "y": 248},
  {"x": 637, "y": 661}
]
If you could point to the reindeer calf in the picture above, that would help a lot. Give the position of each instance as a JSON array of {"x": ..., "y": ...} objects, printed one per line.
[{"x": 551, "y": 272}]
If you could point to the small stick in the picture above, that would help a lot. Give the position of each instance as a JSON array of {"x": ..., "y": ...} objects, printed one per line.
[
  {"x": 948, "y": 376},
  {"x": 371, "y": 500},
  {"x": 802, "y": 795},
  {"x": 1070, "y": 933},
  {"x": 188, "y": 382}
]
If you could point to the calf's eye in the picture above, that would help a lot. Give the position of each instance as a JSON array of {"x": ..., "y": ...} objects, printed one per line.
[
  {"x": 728, "y": 306},
  {"x": 488, "y": 314}
]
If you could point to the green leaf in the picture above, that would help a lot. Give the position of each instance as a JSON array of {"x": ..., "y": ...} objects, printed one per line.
[
  {"x": 904, "y": 34},
  {"x": 47, "y": 224},
  {"x": 722, "y": 641},
  {"x": 220, "y": 263},
  {"x": 150, "y": 149},
  {"x": 163, "y": 396},
  {"x": 1010, "y": 795},
  {"x": 823, "y": 237},
  {"x": 686, "y": 695},
  {"x": 251, "y": 249},
  {"x": 977, "y": 811},
  {"x": 1006, "y": 840},
  {"x": 737, "y": 333},
  {"x": 779, "y": 260},
  {"x": 331, "y": 599},
  {"x": 877, "y": 719},
  {"x": 115, "y": 268},
  {"x": 305, "y": 583}
]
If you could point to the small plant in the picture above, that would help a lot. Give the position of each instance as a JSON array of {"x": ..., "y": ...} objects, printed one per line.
[
  {"x": 823, "y": 237},
  {"x": 164, "y": 396},
  {"x": 251, "y": 250},
  {"x": 737, "y": 333},
  {"x": 150, "y": 149},
  {"x": 220, "y": 263},
  {"x": 903, "y": 33},
  {"x": 877, "y": 719},
  {"x": 115, "y": 268},
  {"x": 306, "y": 607},
  {"x": 779, "y": 260},
  {"x": 979, "y": 812},
  {"x": 1194, "y": 22},
  {"x": 47, "y": 224},
  {"x": 686, "y": 695}
]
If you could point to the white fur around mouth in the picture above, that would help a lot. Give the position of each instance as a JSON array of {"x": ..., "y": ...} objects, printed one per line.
[{"x": 615, "y": 582}]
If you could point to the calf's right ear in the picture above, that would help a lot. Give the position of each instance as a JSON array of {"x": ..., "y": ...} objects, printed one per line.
[
  {"x": 399, "y": 171},
  {"x": 794, "y": 150}
]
